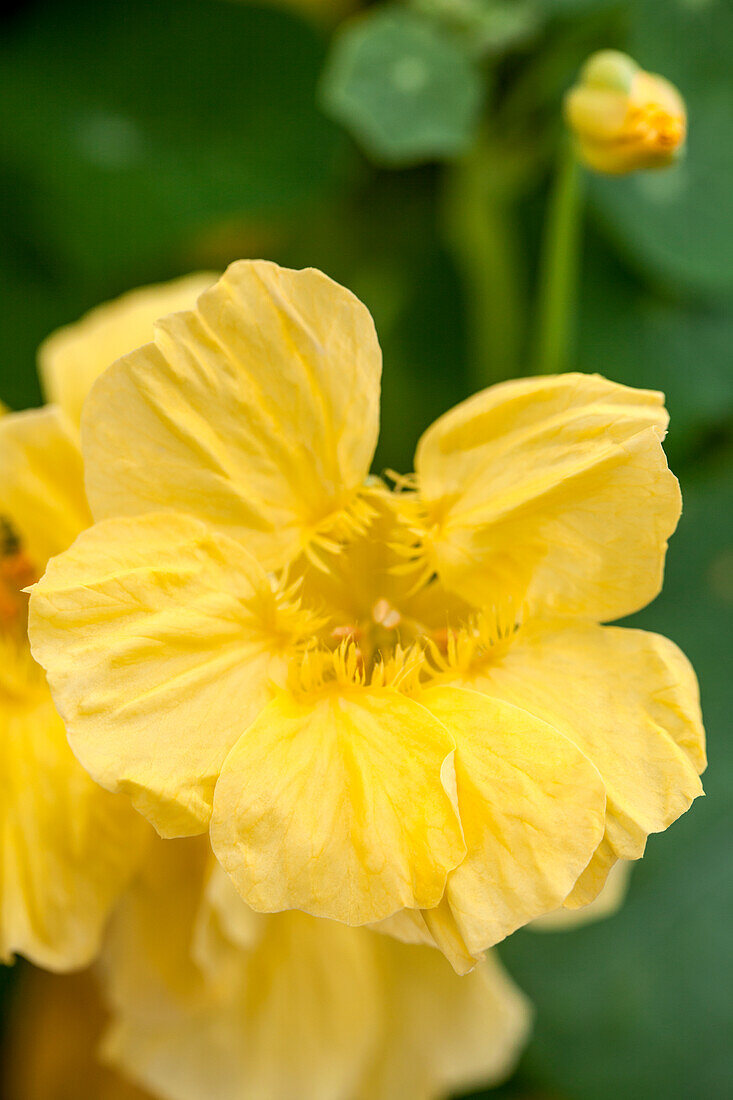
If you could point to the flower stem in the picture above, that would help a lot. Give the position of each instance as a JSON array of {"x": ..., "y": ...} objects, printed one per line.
[
  {"x": 559, "y": 266},
  {"x": 479, "y": 225}
]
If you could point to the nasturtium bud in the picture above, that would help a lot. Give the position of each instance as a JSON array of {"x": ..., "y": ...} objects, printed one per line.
[{"x": 623, "y": 118}]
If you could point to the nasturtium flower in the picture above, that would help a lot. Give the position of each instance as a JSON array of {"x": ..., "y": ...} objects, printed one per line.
[
  {"x": 623, "y": 118},
  {"x": 67, "y": 847},
  {"x": 386, "y": 704},
  {"x": 211, "y": 1001}
]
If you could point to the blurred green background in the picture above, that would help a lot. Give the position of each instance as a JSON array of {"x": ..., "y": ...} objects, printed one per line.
[{"x": 407, "y": 149}]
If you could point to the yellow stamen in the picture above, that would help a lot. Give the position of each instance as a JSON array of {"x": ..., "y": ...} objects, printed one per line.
[
  {"x": 322, "y": 670},
  {"x": 485, "y": 638}
]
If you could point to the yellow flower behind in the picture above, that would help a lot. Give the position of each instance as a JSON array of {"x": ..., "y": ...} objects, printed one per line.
[
  {"x": 211, "y": 1001},
  {"x": 73, "y": 357},
  {"x": 624, "y": 119},
  {"x": 384, "y": 704},
  {"x": 67, "y": 847}
]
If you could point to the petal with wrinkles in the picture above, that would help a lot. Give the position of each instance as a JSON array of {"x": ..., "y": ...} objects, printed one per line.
[
  {"x": 304, "y": 1008},
  {"x": 339, "y": 806},
  {"x": 532, "y": 809},
  {"x": 553, "y": 489},
  {"x": 629, "y": 700},
  {"x": 67, "y": 848},
  {"x": 256, "y": 411},
  {"x": 295, "y": 1016},
  {"x": 444, "y": 1033},
  {"x": 159, "y": 637},
  {"x": 42, "y": 488}
]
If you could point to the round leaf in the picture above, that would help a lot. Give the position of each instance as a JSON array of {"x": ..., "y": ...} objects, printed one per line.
[{"x": 405, "y": 91}]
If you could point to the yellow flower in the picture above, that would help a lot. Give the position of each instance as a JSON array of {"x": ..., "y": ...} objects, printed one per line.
[
  {"x": 67, "y": 848},
  {"x": 384, "y": 704},
  {"x": 624, "y": 118},
  {"x": 211, "y": 1001}
]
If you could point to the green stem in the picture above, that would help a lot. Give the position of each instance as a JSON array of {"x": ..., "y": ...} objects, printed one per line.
[
  {"x": 479, "y": 225},
  {"x": 559, "y": 267}
]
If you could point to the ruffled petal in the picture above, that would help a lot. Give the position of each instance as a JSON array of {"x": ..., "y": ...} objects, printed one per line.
[
  {"x": 532, "y": 809},
  {"x": 444, "y": 1033},
  {"x": 436, "y": 927},
  {"x": 42, "y": 488},
  {"x": 304, "y": 1007},
  {"x": 339, "y": 807},
  {"x": 296, "y": 1015},
  {"x": 555, "y": 490},
  {"x": 159, "y": 637},
  {"x": 629, "y": 700},
  {"x": 257, "y": 411},
  {"x": 67, "y": 848},
  {"x": 71, "y": 359}
]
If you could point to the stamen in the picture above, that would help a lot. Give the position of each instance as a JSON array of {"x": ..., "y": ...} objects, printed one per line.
[
  {"x": 344, "y": 525},
  {"x": 655, "y": 125},
  {"x": 321, "y": 669},
  {"x": 484, "y": 638},
  {"x": 282, "y": 617},
  {"x": 403, "y": 483}
]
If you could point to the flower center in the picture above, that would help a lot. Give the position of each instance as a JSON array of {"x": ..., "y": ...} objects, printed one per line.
[{"x": 381, "y": 631}]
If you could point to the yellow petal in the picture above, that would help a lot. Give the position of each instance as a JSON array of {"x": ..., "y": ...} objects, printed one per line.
[
  {"x": 298, "y": 1017},
  {"x": 72, "y": 358},
  {"x": 67, "y": 848},
  {"x": 42, "y": 487},
  {"x": 556, "y": 490},
  {"x": 629, "y": 700},
  {"x": 339, "y": 807},
  {"x": 312, "y": 1008},
  {"x": 146, "y": 963},
  {"x": 532, "y": 809},
  {"x": 594, "y": 878},
  {"x": 158, "y": 636},
  {"x": 257, "y": 411},
  {"x": 436, "y": 927},
  {"x": 223, "y": 928},
  {"x": 444, "y": 1033}
]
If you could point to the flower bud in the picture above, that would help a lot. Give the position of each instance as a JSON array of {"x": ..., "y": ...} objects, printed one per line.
[{"x": 623, "y": 118}]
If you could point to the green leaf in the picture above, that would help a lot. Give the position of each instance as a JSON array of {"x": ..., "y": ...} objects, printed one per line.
[
  {"x": 406, "y": 91},
  {"x": 485, "y": 27},
  {"x": 678, "y": 223},
  {"x": 632, "y": 334},
  {"x": 133, "y": 127}
]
